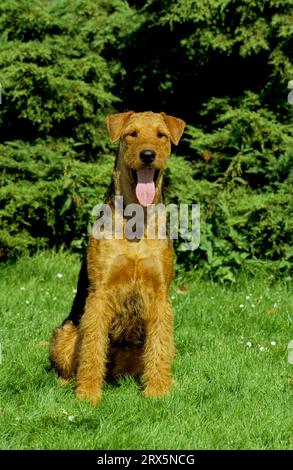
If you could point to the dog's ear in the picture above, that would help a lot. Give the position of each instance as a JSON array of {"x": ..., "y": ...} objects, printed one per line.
[
  {"x": 115, "y": 124},
  {"x": 175, "y": 126}
]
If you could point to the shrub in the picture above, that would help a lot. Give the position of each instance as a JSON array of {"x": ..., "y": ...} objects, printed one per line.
[
  {"x": 222, "y": 66},
  {"x": 48, "y": 196}
]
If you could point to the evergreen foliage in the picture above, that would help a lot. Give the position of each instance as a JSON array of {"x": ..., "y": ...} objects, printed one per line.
[{"x": 221, "y": 65}]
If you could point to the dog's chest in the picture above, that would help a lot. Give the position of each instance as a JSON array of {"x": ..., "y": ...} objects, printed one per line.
[
  {"x": 128, "y": 325},
  {"x": 134, "y": 263}
]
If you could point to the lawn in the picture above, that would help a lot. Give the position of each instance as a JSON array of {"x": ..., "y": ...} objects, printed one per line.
[{"x": 234, "y": 384}]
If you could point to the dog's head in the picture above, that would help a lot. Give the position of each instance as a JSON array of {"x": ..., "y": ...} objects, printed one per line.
[{"x": 145, "y": 144}]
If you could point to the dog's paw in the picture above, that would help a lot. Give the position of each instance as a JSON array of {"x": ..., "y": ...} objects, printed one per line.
[
  {"x": 90, "y": 395},
  {"x": 63, "y": 381},
  {"x": 158, "y": 390}
]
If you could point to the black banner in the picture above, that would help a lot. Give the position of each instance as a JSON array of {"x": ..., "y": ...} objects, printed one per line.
[{"x": 139, "y": 459}]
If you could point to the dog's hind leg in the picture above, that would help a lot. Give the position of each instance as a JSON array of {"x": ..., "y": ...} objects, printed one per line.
[{"x": 64, "y": 347}]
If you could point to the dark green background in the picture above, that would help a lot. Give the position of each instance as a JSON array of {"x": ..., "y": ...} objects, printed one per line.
[{"x": 222, "y": 65}]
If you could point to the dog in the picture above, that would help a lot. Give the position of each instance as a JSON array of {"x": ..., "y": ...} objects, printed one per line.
[{"x": 121, "y": 320}]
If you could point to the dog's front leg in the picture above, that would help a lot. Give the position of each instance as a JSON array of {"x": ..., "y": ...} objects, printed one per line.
[
  {"x": 159, "y": 348},
  {"x": 94, "y": 331}
]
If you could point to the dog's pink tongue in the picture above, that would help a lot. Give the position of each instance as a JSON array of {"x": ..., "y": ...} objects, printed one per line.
[{"x": 145, "y": 188}]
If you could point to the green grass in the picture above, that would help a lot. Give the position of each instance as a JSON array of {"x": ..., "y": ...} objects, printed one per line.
[{"x": 228, "y": 395}]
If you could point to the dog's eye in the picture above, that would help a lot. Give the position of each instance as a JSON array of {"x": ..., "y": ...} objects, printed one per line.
[
  {"x": 132, "y": 134},
  {"x": 161, "y": 135}
]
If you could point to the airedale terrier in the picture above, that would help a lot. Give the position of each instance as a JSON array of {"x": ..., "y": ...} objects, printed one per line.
[{"x": 121, "y": 320}]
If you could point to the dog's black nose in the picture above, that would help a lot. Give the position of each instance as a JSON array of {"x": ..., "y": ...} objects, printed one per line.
[{"x": 147, "y": 156}]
